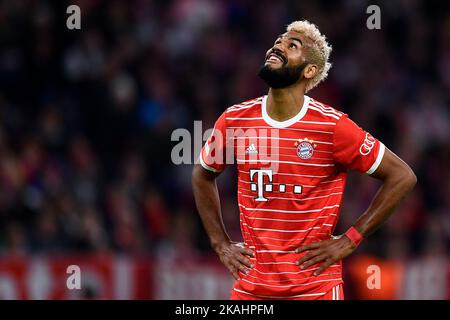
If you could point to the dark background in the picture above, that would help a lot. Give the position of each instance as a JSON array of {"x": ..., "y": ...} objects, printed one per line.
[{"x": 86, "y": 118}]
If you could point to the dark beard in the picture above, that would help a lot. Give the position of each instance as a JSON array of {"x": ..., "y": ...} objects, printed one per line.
[{"x": 280, "y": 78}]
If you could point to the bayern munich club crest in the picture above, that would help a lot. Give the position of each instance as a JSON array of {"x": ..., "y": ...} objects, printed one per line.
[{"x": 305, "y": 148}]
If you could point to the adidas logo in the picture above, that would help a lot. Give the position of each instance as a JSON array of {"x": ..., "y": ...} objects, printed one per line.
[{"x": 251, "y": 149}]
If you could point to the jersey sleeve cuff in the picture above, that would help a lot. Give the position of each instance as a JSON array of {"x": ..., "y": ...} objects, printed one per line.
[
  {"x": 378, "y": 160},
  {"x": 205, "y": 166}
]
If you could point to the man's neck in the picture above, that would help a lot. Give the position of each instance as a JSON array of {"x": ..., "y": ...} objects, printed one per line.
[{"x": 285, "y": 103}]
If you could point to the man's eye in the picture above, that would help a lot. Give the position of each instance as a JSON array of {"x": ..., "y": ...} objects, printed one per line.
[{"x": 293, "y": 45}]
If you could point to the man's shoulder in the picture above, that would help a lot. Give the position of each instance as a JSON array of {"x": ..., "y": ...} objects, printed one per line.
[
  {"x": 324, "y": 111},
  {"x": 245, "y": 107}
]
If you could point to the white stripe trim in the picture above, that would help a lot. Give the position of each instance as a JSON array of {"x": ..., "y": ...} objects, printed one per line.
[
  {"x": 295, "y": 199},
  {"x": 251, "y": 101},
  {"x": 293, "y": 272},
  {"x": 294, "y": 279},
  {"x": 259, "y": 99},
  {"x": 320, "y": 197},
  {"x": 318, "y": 122},
  {"x": 288, "y": 162},
  {"x": 378, "y": 160},
  {"x": 294, "y": 148},
  {"x": 323, "y": 112},
  {"x": 294, "y": 129},
  {"x": 286, "y": 123},
  {"x": 329, "y": 181},
  {"x": 284, "y": 220},
  {"x": 246, "y": 103},
  {"x": 281, "y": 297},
  {"x": 289, "y": 285},
  {"x": 290, "y": 211},
  {"x": 238, "y": 109},
  {"x": 290, "y": 174},
  {"x": 315, "y": 191},
  {"x": 274, "y": 245},
  {"x": 265, "y": 156},
  {"x": 205, "y": 166},
  {"x": 283, "y": 240},
  {"x": 241, "y": 107},
  {"x": 277, "y": 183},
  {"x": 278, "y": 138},
  {"x": 276, "y": 239},
  {"x": 246, "y": 119},
  {"x": 287, "y": 128},
  {"x": 325, "y": 108},
  {"x": 281, "y": 230}
]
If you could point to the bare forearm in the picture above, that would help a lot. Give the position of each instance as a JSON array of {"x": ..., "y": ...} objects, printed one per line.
[
  {"x": 389, "y": 196},
  {"x": 208, "y": 205}
]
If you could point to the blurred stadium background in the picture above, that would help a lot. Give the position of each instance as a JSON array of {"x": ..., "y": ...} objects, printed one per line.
[{"x": 86, "y": 118}]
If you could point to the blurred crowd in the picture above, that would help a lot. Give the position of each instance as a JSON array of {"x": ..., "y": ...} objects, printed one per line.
[{"x": 86, "y": 115}]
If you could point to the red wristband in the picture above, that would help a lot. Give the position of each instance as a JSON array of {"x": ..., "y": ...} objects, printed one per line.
[{"x": 354, "y": 236}]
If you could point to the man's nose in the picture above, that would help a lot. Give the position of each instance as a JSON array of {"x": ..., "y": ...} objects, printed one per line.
[{"x": 278, "y": 47}]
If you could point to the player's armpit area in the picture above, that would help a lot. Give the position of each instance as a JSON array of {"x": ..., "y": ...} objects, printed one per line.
[{"x": 392, "y": 166}]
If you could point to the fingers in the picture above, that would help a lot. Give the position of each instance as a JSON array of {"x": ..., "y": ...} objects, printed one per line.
[
  {"x": 247, "y": 252},
  {"x": 240, "y": 256},
  {"x": 242, "y": 268},
  {"x": 307, "y": 257},
  {"x": 329, "y": 251},
  {"x": 234, "y": 268},
  {"x": 309, "y": 246},
  {"x": 313, "y": 261},
  {"x": 237, "y": 261},
  {"x": 244, "y": 261},
  {"x": 237, "y": 267},
  {"x": 324, "y": 266},
  {"x": 233, "y": 271}
]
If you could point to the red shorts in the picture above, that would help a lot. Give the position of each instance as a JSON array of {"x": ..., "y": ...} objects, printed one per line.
[{"x": 335, "y": 293}]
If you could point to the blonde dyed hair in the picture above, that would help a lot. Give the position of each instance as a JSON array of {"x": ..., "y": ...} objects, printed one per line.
[{"x": 318, "y": 50}]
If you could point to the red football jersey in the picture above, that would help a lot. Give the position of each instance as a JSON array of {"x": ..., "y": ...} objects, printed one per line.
[{"x": 291, "y": 180}]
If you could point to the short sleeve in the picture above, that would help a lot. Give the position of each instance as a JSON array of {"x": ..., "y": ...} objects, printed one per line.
[
  {"x": 355, "y": 148},
  {"x": 213, "y": 154}
]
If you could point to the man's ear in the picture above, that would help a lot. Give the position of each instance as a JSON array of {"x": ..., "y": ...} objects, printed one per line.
[{"x": 310, "y": 71}]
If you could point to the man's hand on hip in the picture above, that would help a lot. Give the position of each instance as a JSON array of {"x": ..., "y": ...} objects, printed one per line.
[
  {"x": 327, "y": 251},
  {"x": 233, "y": 256}
]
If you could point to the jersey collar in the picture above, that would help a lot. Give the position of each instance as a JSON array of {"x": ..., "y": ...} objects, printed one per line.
[{"x": 288, "y": 122}]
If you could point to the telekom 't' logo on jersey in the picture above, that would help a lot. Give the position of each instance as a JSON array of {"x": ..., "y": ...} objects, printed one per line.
[
  {"x": 367, "y": 145},
  {"x": 258, "y": 185}
]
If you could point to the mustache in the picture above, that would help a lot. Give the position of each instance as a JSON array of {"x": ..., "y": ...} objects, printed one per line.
[
  {"x": 281, "y": 77},
  {"x": 278, "y": 54}
]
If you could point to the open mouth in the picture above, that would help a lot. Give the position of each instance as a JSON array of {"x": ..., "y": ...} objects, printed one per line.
[{"x": 274, "y": 57}]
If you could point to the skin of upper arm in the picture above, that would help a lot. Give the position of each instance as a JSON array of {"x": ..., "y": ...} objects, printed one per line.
[
  {"x": 198, "y": 172},
  {"x": 393, "y": 167}
]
